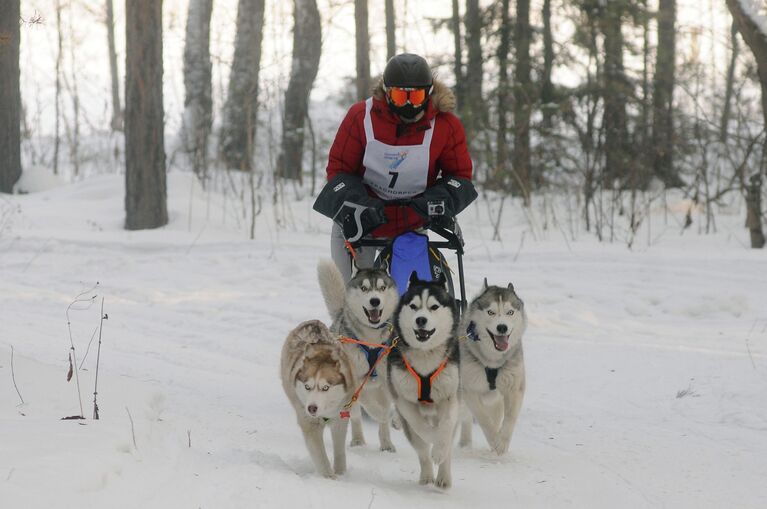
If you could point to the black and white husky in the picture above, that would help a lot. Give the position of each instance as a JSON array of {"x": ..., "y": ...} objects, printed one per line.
[
  {"x": 423, "y": 375},
  {"x": 361, "y": 310},
  {"x": 492, "y": 365}
]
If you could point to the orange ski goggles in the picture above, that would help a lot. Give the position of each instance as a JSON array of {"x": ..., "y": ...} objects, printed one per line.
[{"x": 401, "y": 96}]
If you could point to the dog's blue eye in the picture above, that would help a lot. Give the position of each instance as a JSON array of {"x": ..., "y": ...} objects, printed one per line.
[
  {"x": 490, "y": 312},
  {"x": 413, "y": 307},
  {"x": 306, "y": 386},
  {"x": 382, "y": 289},
  {"x": 510, "y": 312},
  {"x": 364, "y": 288},
  {"x": 434, "y": 307},
  {"x": 325, "y": 387}
]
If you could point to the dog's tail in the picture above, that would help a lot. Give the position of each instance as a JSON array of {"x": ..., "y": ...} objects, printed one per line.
[{"x": 332, "y": 286}]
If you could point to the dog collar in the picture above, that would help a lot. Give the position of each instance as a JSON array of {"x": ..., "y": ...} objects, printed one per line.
[{"x": 471, "y": 332}]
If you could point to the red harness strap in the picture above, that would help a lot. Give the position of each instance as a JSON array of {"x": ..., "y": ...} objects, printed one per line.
[
  {"x": 386, "y": 351},
  {"x": 424, "y": 395}
]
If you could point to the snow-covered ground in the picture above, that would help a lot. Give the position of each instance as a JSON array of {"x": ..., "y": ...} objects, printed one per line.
[{"x": 647, "y": 369}]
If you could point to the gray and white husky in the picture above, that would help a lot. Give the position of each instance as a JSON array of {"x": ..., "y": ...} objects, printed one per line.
[
  {"x": 424, "y": 375},
  {"x": 317, "y": 378},
  {"x": 361, "y": 309},
  {"x": 492, "y": 365}
]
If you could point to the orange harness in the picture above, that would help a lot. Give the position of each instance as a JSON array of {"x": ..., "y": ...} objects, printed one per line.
[
  {"x": 424, "y": 382},
  {"x": 386, "y": 351}
]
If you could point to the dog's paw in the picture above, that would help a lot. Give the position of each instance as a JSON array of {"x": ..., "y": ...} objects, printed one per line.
[
  {"x": 388, "y": 447},
  {"x": 339, "y": 469},
  {"x": 440, "y": 452},
  {"x": 426, "y": 478},
  {"x": 357, "y": 441},
  {"x": 444, "y": 481},
  {"x": 501, "y": 446},
  {"x": 327, "y": 474}
]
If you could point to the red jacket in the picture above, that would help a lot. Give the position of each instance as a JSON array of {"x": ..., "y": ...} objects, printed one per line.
[{"x": 449, "y": 154}]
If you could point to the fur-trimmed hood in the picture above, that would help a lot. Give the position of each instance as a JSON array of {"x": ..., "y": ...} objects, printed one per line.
[{"x": 442, "y": 98}]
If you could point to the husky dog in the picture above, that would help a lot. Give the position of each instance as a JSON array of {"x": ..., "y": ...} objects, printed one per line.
[
  {"x": 423, "y": 375},
  {"x": 361, "y": 311},
  {"x": 317, "y": 378},
  {"x": 492, "y": 365}
]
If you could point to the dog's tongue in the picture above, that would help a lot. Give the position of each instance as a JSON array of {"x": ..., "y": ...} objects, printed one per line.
[
  {"x": 501, "y": 343},
  {"x": 374, "y": 315}
]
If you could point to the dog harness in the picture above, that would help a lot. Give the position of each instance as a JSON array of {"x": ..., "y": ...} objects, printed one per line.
[
  {"x": 424, "y": 382},
  {"x": 371, "y": 354},
  {"x": 490, "y": 373},
  {"x": 372, "y": 351}
]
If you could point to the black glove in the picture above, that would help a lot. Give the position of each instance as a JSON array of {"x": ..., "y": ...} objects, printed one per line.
[
  {"x": 357, "y": 220},
  {"x": 445, "y": 199},
  {"x": 346, "y": 201}
]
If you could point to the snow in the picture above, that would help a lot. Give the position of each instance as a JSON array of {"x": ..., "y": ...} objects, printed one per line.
[{"x": 646, "y": 368}]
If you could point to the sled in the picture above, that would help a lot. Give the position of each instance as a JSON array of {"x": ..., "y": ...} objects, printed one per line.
[{"x": 415, "y": 251}]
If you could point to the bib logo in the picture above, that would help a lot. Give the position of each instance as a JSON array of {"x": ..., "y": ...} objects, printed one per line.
[{"x": 394, "y": 159}]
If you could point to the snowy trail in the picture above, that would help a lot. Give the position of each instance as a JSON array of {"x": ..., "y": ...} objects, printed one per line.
[{"x": 646, "y": 370}]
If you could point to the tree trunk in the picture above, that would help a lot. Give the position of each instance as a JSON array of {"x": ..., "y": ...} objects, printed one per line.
[
  {"x": 10, "y": 95},
  {"x": 645, "y": 113},
  {"x": 753, "y": 211},
  {"x": 198, "y": 103},
  {"x": 502, "y": 161},
  {"x": 547, "y": 88},
  {"x": 757, "y": 41},
  {"x": 458, "y": 58},
  {"x": 57, "y": 99},
  {"x": 614, "y": 93},
  {"x": 363, "y": 48},
  {"x": 473, "y": 106},
  {"x": 241, "y": 109},
  {"x": 117, "y": 112},
  {"x": 391, "y": 30},
  {"x": 307, "y": 48},
  {"x": 145, "y": 193},
  {"x": 523, "y": 101},
  {"x": 730, "y": 88},
  {"x": 663, "y": 96}
]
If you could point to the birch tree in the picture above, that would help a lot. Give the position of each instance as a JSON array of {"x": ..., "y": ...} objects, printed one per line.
[
  {"x": 391, "y": 30},
  {"x": 117, "y": 112},
  {"x": 198, "y": 102},
  {"x": 241, "y": 109},
  {"x": 307, "y": 48},
  {"x": 363, "y": 48}
]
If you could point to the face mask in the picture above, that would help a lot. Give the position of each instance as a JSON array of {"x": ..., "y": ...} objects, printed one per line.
[{"x": 407, "y": 111}]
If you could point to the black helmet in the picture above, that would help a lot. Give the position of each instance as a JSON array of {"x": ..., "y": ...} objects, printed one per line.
[{"x": 408, "y": 71}]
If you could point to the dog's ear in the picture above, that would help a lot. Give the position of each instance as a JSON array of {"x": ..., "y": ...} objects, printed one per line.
[
  {"x": 385, "y": 264},
  {"x": 511, "y": 287},
  {"x": 413, "y": 278},
  {"x": 484, "y": 285},
  {"x": 442, "y": 279}
]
